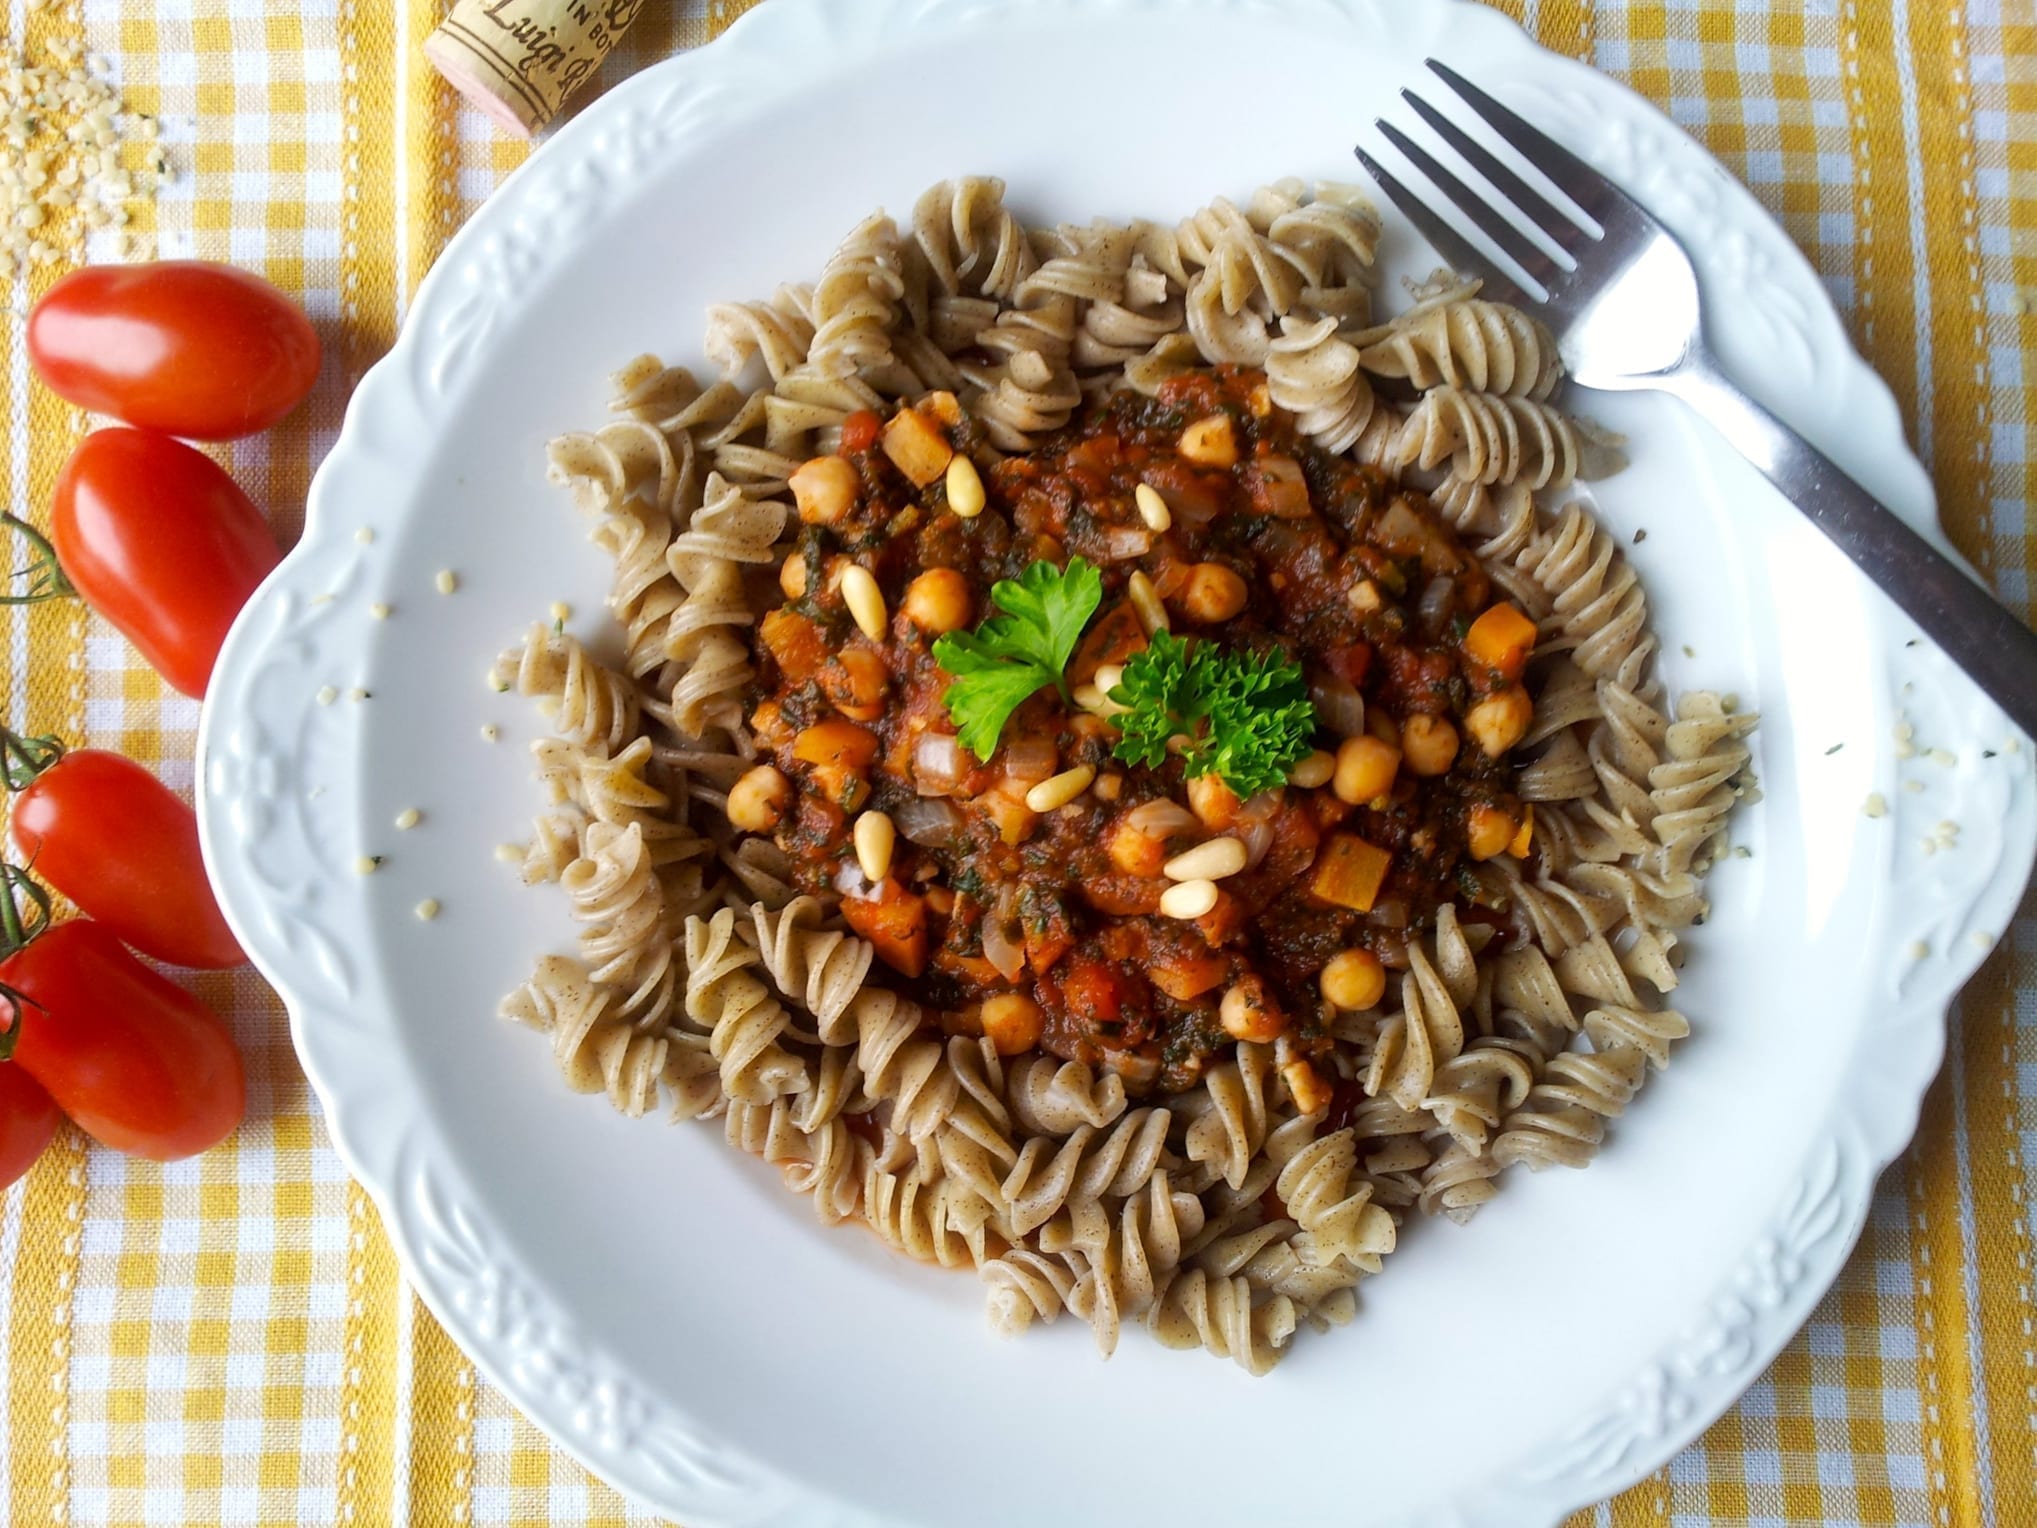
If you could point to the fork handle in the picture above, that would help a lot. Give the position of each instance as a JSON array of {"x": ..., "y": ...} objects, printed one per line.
[{"x": 1953, "y": 609}]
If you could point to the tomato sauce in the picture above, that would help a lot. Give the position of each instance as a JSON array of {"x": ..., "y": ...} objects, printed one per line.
[{"x": 1356, "y": 579}]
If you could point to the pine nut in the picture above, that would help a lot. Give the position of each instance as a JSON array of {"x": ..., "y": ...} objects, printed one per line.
[
  {"x": 965, "y": 487},
  {"x": 1209, "y": 861},
  {"x": 865, "y": 601},
  {"x": 1059, "y": 790},
  {"x": 1189, "y": 899},
  {"x": 1315, "y": 771},
  {"x": 875, "y": 839},
  {"x": 1152, "y": 508},
  {"x": 1146, "y": 602}
]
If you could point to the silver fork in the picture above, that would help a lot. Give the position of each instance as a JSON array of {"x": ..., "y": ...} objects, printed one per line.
[{"x": 1627, "y": 315}]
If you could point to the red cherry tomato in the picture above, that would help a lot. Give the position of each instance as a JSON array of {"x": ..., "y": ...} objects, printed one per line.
[
  {"x": 138, "y": 1062},
  {"x": 162, "y": 543},
  {"x": 187, "y": 347},
  {"x": 28, "y": 1120},
  {"x": 118, "y": 842}
]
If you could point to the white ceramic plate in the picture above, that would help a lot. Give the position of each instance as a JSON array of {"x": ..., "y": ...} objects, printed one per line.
[{"x": 658, "y": 1303}]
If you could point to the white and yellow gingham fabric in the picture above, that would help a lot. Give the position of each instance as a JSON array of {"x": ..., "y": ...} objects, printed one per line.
[{"x": 227, "y": 1340}]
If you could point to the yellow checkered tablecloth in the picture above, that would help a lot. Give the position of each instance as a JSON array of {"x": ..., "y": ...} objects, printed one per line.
[{"x": 226, "y": 1340}]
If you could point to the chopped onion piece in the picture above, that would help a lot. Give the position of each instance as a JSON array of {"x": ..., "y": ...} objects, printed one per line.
[
  {"x": 1124, "y": 542},
  {"x": 1031, "y": 759},
  {"x": 936, "y": 763},
  {"x": 928, "y": 822},
  {"x": 1160, "y": 818},
  {"x": 1338, "y": 704}
]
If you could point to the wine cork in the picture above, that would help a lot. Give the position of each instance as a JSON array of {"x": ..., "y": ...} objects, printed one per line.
[{"x": 518, "y": 60}]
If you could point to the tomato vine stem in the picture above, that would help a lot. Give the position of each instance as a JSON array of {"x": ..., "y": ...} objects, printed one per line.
[
  {"x": 45, "y": 575},
  {"x": 22, "y": 759}
]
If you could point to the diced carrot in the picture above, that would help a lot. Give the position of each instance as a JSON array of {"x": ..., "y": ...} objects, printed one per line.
[
  {"x": 1501, "y": 639},
  {"x": 1350, "y": 871},
  {"x": 836, "y": 742},
  {"x": 796, "y": 643},
  {"x": 1006, "y": 806},
  {"x": 1124, "y": 896},
  {"x": 1092, "y": 991},
  {"x": 1524, "y": 839},
  {"x": 971, "y": 968},
  {"x": 1488, "y": 831},
  {"x": 1114, "y": 638},
  {"x": 1135, "y": 853},
  {"x": 895, "y": 923},
  {"x": 1222, "y": 923},
  {"x": 1187, "y": 977}
]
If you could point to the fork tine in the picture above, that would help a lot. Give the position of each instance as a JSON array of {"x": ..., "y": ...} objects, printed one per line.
[
  {"x": 1490, "y": 220},
  {"x": 1558, "y": 225},
  {"x": 1571, "y": 175},
  {"x": 1463, "y": 255}
]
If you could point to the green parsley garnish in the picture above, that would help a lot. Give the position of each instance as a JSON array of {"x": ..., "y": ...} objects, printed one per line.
[
  {"x": 1246, "y": 716},
  {"x": 1011, "y": 657}
]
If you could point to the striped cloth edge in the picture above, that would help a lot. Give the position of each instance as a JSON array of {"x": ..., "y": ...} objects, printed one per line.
[{"x": 227, "y": 1340}]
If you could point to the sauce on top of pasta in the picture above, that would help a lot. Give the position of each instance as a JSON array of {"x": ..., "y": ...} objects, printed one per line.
[{"x": 1052, "y": 894}]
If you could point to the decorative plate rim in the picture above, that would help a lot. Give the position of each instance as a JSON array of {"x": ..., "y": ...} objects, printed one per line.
[{"x": 259, "y": 767}]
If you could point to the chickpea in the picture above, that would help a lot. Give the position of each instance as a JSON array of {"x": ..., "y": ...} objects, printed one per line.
[
  {"x": 938, "y": 601},
  {"x": 792, "y": 576},
  {"x": 825, "y": 490},
  {"x": 758, "y": 801},
  {"x": 1365, "y": 770},
  {"x": 1213, "y": 593},
  {"x": 1013, "y": 1022},
  {"x": 1354, "y": 980},
  {"x": 1248, "y": 1012},
  {"x": 1428, "y": 744},
  {"x": 1500, "y": 721},
  {"x": 1488, "y": 831}
]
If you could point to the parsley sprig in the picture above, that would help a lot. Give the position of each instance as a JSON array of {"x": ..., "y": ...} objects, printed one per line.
[
  {"x": 1246, "y": 716},
  {"x": 1011, "y": 657}
]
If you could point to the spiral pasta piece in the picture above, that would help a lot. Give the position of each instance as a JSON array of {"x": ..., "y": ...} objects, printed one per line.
[
  {"x": 1231, "y": 1118},
  {"x": 1224, "y": 1317},
  {"x": 820, "y": 969},
  {"x": 971, "y": 242},
  {"x": 1123, "y": 1260},
  {"x": 779, "y": 332},
  {"x": 742, "y": 1020},
  {"x": 586, "y": 702},
  {"x": 1089, "y": 1164},
  {"x": 927, "y": 1221},
  {"x": 597, "y": 1052},
  {"x": 1025, "y": 1285},
  {"x": 1314, "y": 374},
  {"x": 856, "y": 300},
  {"x": 1484, "y": 438},
  {"x": 1471, "y": 344},
  {"x": 627, "y": 940},
  {"x": 1052, "y": 1098}
]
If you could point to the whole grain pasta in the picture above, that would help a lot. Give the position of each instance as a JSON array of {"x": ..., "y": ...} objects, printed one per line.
[{"x": 1010, "y": 1010}]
